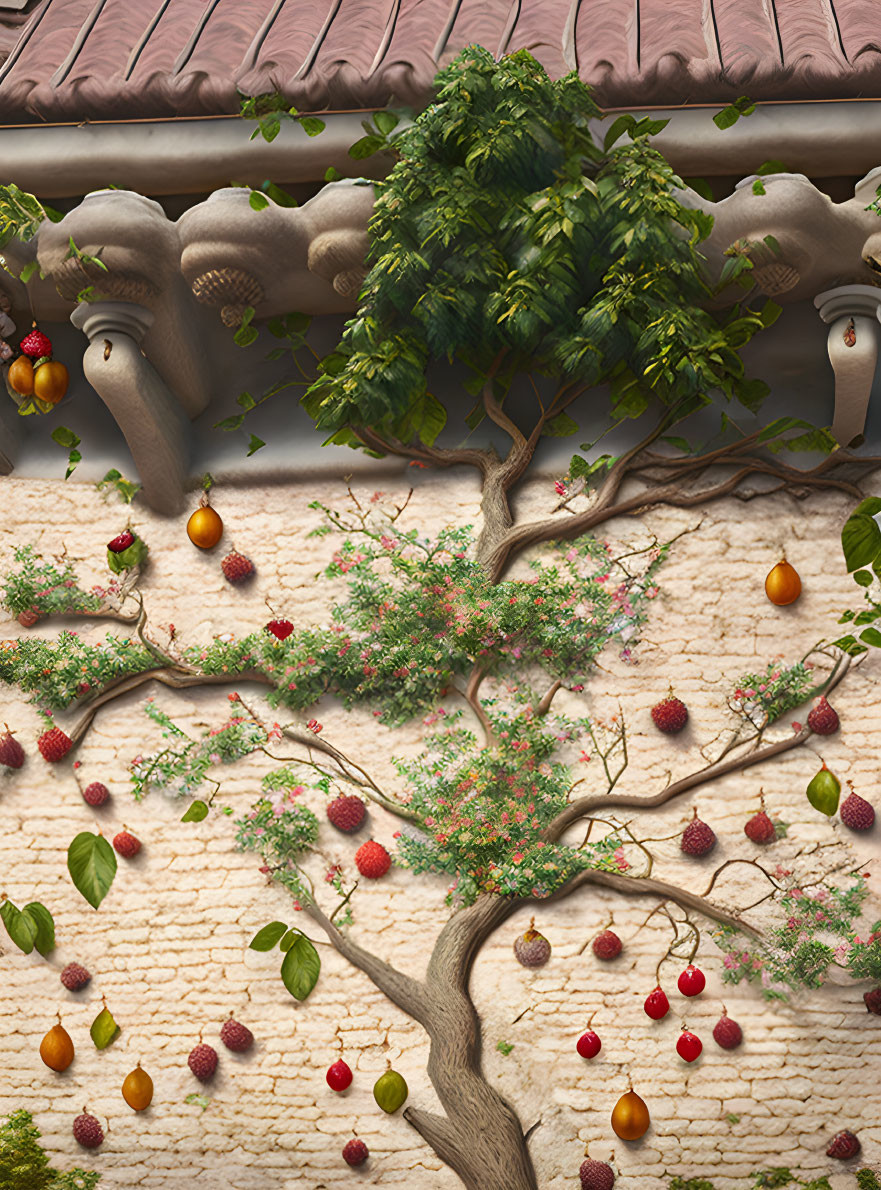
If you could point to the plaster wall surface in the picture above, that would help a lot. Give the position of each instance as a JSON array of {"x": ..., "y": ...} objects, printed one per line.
[{"x": 168, "y": 946}]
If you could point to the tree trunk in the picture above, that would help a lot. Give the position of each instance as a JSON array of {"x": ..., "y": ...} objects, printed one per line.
[{"x": 496, "y": 512}]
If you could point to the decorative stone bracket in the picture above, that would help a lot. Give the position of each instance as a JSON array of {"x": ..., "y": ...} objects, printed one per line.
[{"x": 853, "y": 313}]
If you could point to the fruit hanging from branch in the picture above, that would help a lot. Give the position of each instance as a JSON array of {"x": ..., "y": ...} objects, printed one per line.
[
  {"x": 824, "y": 790},
  {"x": 532, "y": 949},
  {"x": 822, "y": 718},
  {"x": 656, "y": 1004},
  {"x": 726, "y": 1032},
  {"x": 589, "y": 1044},
  {"x": 205, "y": 528},
  {"x": 692, "y": 981},
  {"x": 783, "y": 586},
  {"x": 697, "y": 838},
  {"x": 689, "y": 1046},
  {"x": 630, "y": 1117},
  {"x": 607, "y": 946},
  {"x": 56, "y": 1048},
  {"x": 87, "y": 1131}
]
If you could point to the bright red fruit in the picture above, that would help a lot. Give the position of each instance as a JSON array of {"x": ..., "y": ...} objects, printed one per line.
[
  {"x": 339, "y": 1076},
  {"x": 589, "y": 1044},
  {"x": 692, "y": 981},
  {"x": 372, "y": 860},
  {"x": 656, "y": 1004},
  {"x": 281, "y": 629},
  {"x": 689, "y": 1046}
]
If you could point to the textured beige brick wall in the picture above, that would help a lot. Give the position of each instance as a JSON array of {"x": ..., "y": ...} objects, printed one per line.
[{"x": 168, "y": 945}]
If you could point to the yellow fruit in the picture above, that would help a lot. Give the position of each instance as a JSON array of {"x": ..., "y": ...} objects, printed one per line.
[
  {"x": 205, "y": 528},
  {"x": 21, "y": 375},
  {"x": 783, "y": 586},
  {"x": 137, "y": 1090},
  {"x": 56, "y": 1048},
  {"x": 630, "y": 1117},
  {"x": 50, "y": 381}
]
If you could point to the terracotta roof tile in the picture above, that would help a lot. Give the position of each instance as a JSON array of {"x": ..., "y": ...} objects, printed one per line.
[{"x": 77, "y": 59}]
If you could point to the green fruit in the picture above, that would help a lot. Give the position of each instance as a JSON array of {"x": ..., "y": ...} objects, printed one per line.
[
  {"x": 390, "y": 1091},
  {"x": 824, "y": 791}
]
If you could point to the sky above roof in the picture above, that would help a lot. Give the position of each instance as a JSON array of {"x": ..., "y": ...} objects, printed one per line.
[{"x": 114, "y": 59}]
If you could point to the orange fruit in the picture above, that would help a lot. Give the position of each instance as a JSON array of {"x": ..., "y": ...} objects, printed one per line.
[
  {"x": 137, "y": 1090},
  {"x": 50, "y": 381},
  {"x": 56, "y": 1048},
  {"x": 21, "y": 375},
  {"x": 783, "y": 586},
  {"x": 205, "y": 528}
]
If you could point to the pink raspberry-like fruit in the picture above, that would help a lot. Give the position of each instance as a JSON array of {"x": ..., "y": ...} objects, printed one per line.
[
  {"x": 698, "y": 838},
  {"x": 203, "y": 1062},
  {"x": 872, "y": 1001},
  {"x": 355, "y": 1152},
  {"x": 596, "y": 1175},
  {"x": 822, "y": 719},
  {"x": 347, "y": 813},
  {"x": 727, "y": 1033},
  {"x": 372, "y": 860},
  {"x": 54, "y": 745},
  {"x": 236, "y": 567},
  {"x": 36, "y": 344},
  {"x": 96, "y": 794},
  {"x": 74, "y": 977},
  {"x": 856, "y": 813},
  {"x": 670, "y": 715},
  {"x": 11, "y": 751},
  {"x": 88, "y": 1132},
  {"x": 281, "y": 629},
  {"x": 532, "y": 949},
  {"x": 236, "y": 1037},
  {"x": 126, "y": 845},
  {"x": 607, "y": 945},
  {"x": 844, "y": 1145},
  {"x": 760, "y": 829}
]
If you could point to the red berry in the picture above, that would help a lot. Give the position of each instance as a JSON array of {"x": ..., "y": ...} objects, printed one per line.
[
  {"x": 11, "y": 751},
  {"x": 121, "y": 543},
  {"x": 126, "y": 845},
  {"x": 54, "y": 745},
  {"x": 607, "y": 946},
  {"x": 355, "y": 1152},
  {"x": 236, "y": 567},
  {"x": 822, "y": 719},
  {"x": 689, "y": 1046},
  {"x": 88, "y": 1132},
  {"x": 236, "y": 1037},
  {"x": 727, "y": 1033},
  {"x": 872, "y": 1001},
  {"x": 698, "y": 838},
  {"x": 692, "y": 981},
  {"x": 36, "y": 344},
  {"x": 372, "y": 860},
  {"x": 74, "y": 977},
  {"x": 670, "y": 715},
  {"x": 339, "y": 1076},
  {"x": 656, "y": 1004},
  {"x": 843, "y": 1145},
  {"x": 280, "y": 628},
  {"x": 203, "y": 1062},
  {"x": 596, "y": 1175},
  {"x": 96, "y": 794},
  {"x": 856, "y": 813},
  {"x": 588, "y": 1044},
  {"x": 347, "y": 813},
  {"x": 760, "y": 829}
]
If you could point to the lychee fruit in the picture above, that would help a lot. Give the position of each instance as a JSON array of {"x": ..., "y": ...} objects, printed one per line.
[
  {"x": 656, "y": 1004},
  {"x": 126, "y": 845},
  {"x": 532, "y": 949},
  {"x": 347, "y": 813},
  {"x": 339, "y": 1075},
  {"x": 11, "y": 751},
  {"x": 843, "y": 1145},
  {"x": 54, "y": 745},
  {"x": 856, "y": 813},
  {"x": 75, "y": 977},
  {"x": 760, "y": 828},
  {"x": 121, "y": 543},
  {"x": 727, "y": 1033},
  {"x": 670, "y": 715},
  {"x": 823, "y": 719},
  {"x": 236, "y": 1037},
  {"x": 372, "y": 860},
  {"x": 698, "y": 838},
  {"x": 281, "y": 629},
  {"x": 596, "y": 1175},
  {"x": 355, "y": 1152},
  {"x": 96, "y": 794},
  {"x": 87, "y": 1131},
  {"x": 872, "y": 1001},
  {"x": 35, "y": 344},
  {"x": 236, "y": 567},
  {"x": 607, "y": 945},
  {"x": 692, "y": 981},
  {"x": 203, "y": 1062}
]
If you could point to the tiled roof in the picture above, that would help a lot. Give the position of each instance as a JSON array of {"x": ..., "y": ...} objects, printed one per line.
[{"x": 105, "y": 59}]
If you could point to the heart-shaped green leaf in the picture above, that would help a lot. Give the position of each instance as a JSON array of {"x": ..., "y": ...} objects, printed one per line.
[
  {"x": 20, "y": 926},
  {"x": 92, "y": 866},
  {"x": 266, "y": 938},
  {"x": 45, "y": 923},
  {"x": 196, "y": 811},
  {"x": 301, "y": 967},
  {"x": 104, "y": 1029}
]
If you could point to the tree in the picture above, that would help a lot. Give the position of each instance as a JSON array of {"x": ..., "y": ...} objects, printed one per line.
[
  {"x": 507, "y": 242},
  {"x": 24, "y": 1165}
]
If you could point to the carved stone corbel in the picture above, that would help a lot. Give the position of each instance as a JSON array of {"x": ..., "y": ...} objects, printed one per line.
[{"x": 853, "y": 313}]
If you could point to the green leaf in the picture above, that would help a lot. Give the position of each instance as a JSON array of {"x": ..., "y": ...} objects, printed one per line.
[
  {"x": 772, "y": 243},
  {"x": 45, "y": 937},
  {"x": 366, "y": 147},
  {"x": 505, "y": 1047},
  {"x": 680, "y": 443},
  {"x": 104, "y": 1030},
  {"x": 196, "y": 811},
  {"x": 72, "y": 459},
  {"x": 863, "y": 578},
  {"x": 28, "y": 271},
  {"x": 301, "y": 967},
  {"x": 21, "y": 927},
  {"x": 726, "y": 118},
  {"x": 311, "y": 125},
  {"x": 230, "y": 423},
  {"x": 769, "y": 313},
  {"x": 386, "y": 122},
  {"x": 258, "y": 201},
  {"x": 871, "y": 636},
  {"x": 332, "y": 175},
  {"x": 561, "y": 426},
  {"x": 288, "y": 940},
  {"x": 92, "y": 866},
  {"x": 245, "y": 400},
  {"x": 269, "y": 936},
  {"x": 620, "y": 125},
  {"x": 759, "y": 187},
  {"x": 65, "y": 437},
  {"x": 861, "y": 535},
  {"x": 245, "y": 336},
  {"x": 254, "y": 444},
  {"x": 280, "y": 197}
]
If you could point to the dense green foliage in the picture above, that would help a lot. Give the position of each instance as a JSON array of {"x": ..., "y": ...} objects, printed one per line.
[
  {"x": 46, "y": 588},
  {"x": 24, "y": 1165}
]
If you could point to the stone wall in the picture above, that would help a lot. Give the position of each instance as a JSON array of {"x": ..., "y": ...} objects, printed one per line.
[{"x": 168, "y": 947}]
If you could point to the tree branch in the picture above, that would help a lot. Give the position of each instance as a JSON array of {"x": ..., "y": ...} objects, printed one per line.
[{"x": 434, "y": 456}]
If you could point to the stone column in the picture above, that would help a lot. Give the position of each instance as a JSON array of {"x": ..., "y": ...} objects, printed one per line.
[
  {"x": 152, "y": 420},
  {"x": 853, "y": 313}
]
